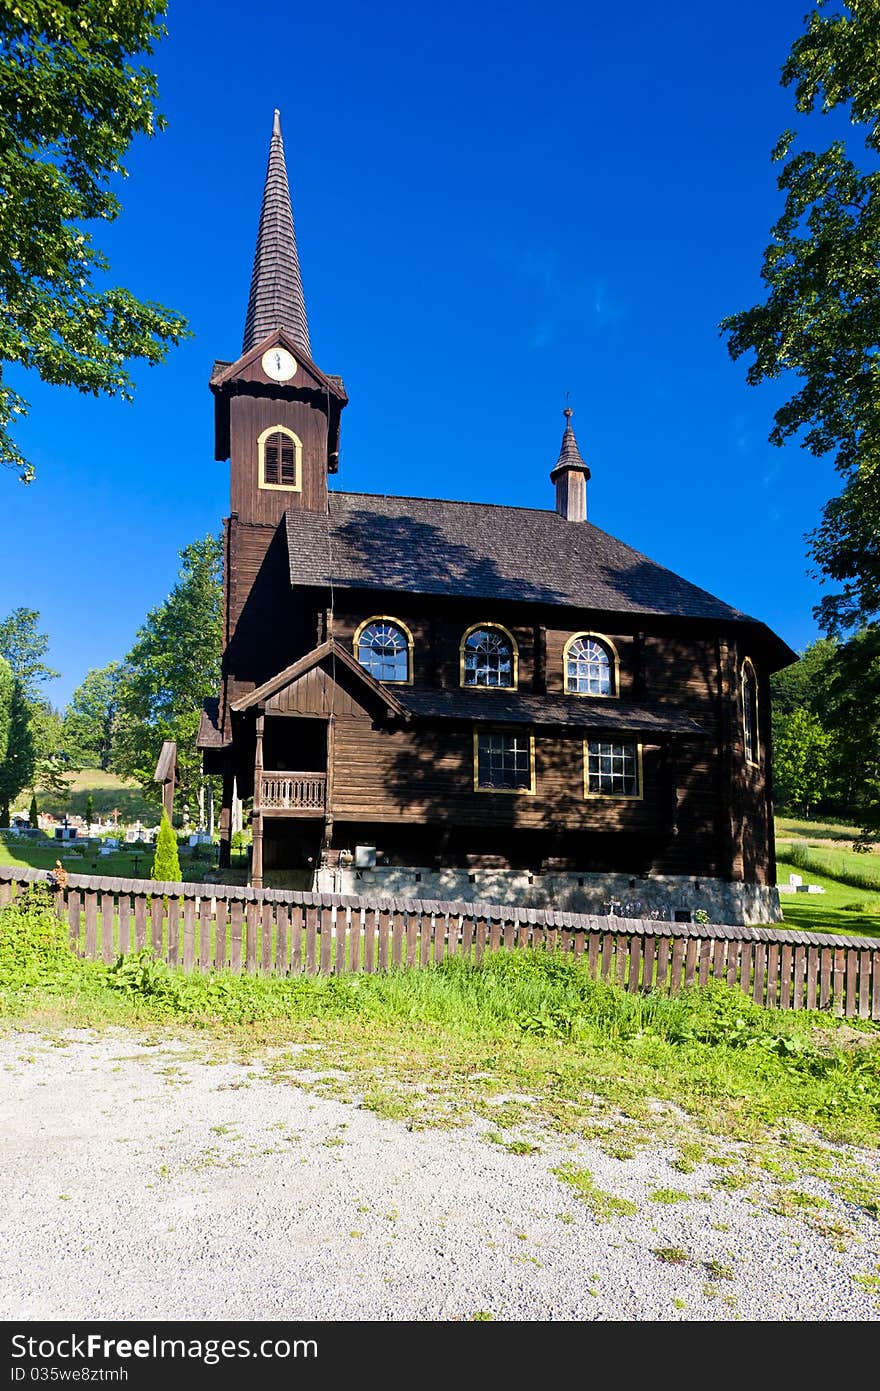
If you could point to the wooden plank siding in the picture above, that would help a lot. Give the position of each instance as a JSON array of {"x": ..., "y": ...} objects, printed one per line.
[
  {"x": 249, "y": 416},
  {"x": 707, "y": 814},
  {"x": 191, "y": 924}
]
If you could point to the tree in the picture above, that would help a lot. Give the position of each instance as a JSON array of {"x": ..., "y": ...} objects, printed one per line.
[
  {"x": 854, "y": 705},
  {"x": 800, "y": 762},
  {"x": 172, "y": 667},
  {"x": 166, "y": 860},
  {"x": 24, "y": 647},
  {"x": 7, "y": 682},
  {"x": 804, "y": 684},
  {"x": 91, "y": 718},
  {"x": 73, "y": 97},
  {"x": 33, "y": 814},
  {"x": 820, "y": 320},
  {"x": 18, "y": 763},
  {"x": 53, "y": 764},
  {"x": 90, "y": 810}
]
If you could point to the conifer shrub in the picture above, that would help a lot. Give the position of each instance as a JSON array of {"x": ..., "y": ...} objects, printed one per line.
[{"x": 166, "y": 861}]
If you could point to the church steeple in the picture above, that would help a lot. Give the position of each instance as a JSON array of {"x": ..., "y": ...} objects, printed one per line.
[
  {"x": 276, "y": 296},
  {"x": 570, "y": 476}
]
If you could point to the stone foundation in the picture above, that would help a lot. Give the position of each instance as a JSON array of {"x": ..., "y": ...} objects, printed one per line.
[{"x": 669, "y": 897}]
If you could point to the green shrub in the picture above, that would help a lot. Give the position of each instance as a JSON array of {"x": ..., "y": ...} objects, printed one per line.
[{"x": 166, "y": 860}]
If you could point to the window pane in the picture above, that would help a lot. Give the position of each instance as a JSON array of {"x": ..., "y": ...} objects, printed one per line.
[
  {"x": 504, "y": 762},
  {"x": 488, "y": 659},
  {"x": 612, "y": 769},
  {"x": 588, "y": 668},
  {"x": 383, "y": 651},
  {"x": 750, "y": 716}
]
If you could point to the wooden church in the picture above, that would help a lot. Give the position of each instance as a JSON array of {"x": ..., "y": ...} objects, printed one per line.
[{"x": 433, "y": 698}]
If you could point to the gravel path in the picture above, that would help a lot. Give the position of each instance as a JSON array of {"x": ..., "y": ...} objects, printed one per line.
[{"x": 147, "y": 1181}]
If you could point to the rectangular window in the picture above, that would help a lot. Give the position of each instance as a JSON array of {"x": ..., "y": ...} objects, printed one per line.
[
  {"x": 613, "y": 769},
  {"x": 504, "y": 762}
]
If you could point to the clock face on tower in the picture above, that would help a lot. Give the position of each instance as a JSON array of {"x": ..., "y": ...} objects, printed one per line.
[{"x": 278, "y": 364}]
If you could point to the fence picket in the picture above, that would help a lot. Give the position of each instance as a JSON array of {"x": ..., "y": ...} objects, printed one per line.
[
  {"x": 140, "y": 922},
  {"x": 281, "y": 916},
  {"x": 189, "y": 933},
  {"x": 339, "y": 926},
  {"x": 354, "y": 951},
  {"x": 266, "y": 944},
  {"x": 785, "y": 986},
  {"x": 157, "y": 909},
  {"x": 311, "y": 940},
  {"x": 219, "y": 934},
  {"x": 772, "y": 974},
  {"x": 108, "y": 913},
  {"x": 296, "y": 932},
  {"x": 91, "y": 924},
  {"x": 370, "y": 940},
  {"x": 800, "y": 969},
  {"x": 251, "y": 925},
  {"x": 173, "y": 931},
  {"x": 704, "y": 952},
  {"x": 397, "y": 924},
  {"x": 236, "y": 913},
  {"x": 678, "y": 950},
  {"x": 440, "y": 926},
  {"x": 412, "y": 938},
  {"x": 384, "y": 922},
  {"x": 648, "y": 963},
  {"x": 204, "y": 933},
  {"x": 74, "y": 904},
  {"x": 124, "y": 925}
]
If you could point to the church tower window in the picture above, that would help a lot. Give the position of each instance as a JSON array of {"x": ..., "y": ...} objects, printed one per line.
[{"x": 280, "y": 459}]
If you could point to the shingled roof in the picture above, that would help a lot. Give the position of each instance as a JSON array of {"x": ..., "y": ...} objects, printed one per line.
[
  {"x": 484, "y": 551},
  {"x": 574, "y": 712},
  {"x": 276, "y": 297}
]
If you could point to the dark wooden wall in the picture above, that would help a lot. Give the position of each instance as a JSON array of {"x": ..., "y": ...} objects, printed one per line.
[{"x": 249, "y": 417}]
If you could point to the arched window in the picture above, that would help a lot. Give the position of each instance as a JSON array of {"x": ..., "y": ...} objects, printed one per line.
[
  {"x": 280, "y": 459},
  {"x": 383, "y": 647},
  {"x": 488, "y": 658},
  {"x": 590, "y": 666},
  {"x": 750, "y": 711}
]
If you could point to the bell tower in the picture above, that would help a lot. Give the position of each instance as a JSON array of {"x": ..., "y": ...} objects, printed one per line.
[{"x": 277, "y": 414}]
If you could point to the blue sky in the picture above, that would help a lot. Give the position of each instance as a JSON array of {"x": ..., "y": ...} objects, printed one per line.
[{"x": 495, "y": 203}]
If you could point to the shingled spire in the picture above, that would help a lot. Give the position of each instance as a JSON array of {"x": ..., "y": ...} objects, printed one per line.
[
  {"x": 276, "y": 297},
  {"x": 570, "y": 476}
]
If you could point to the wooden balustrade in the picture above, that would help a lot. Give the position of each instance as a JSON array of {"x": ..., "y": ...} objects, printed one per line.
[{"x": 280, "y": 791}]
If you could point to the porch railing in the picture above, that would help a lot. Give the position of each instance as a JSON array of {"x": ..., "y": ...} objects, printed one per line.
[{"x": 279, "y": 791}]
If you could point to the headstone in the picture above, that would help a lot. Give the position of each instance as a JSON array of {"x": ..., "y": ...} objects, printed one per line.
[{"x": 796, "y": 880}]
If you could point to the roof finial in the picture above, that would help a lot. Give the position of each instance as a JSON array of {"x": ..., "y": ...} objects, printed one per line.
[{"x": 276, "y": 296}]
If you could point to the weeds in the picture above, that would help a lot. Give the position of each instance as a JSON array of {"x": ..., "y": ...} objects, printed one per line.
[{"x": 602, "y": 1204}]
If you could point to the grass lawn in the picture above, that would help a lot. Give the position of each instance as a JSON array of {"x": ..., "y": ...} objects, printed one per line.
[
  {"x": 108, "y": 792},
  {"x": 837, "y": 863},
  {"x": 128, "y": 862},
  {"x": 814, "y": 832},
  {"x": 840, "y": 909}
]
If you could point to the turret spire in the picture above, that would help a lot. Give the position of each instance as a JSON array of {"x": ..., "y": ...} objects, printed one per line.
[
  {"x": 276, "y": 296},
  {"x": 570, "y": 476}
]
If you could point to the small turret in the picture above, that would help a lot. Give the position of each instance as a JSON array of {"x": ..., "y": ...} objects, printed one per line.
[{"x": 570, "y": 476}]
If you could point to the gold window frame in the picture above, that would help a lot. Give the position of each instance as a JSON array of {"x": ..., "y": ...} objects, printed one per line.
[{"x": 505, "y": 791}]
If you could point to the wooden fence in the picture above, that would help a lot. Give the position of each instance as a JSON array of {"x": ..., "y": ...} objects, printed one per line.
[{"x": 227, "y": 928}]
